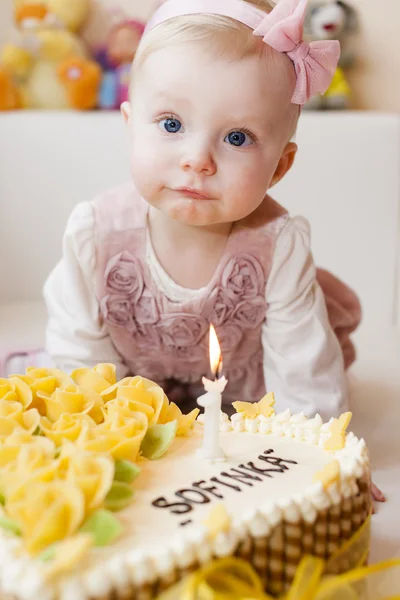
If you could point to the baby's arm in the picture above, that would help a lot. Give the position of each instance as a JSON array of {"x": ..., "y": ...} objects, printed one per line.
[
  {"x": 303, "y": 361},
  {"x": 75, "y": 336}
]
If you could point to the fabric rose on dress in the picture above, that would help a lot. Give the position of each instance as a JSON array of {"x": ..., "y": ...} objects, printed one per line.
[
  {"x": 249, "y": 314},
  {"x": 220, "y": 305},
  {"x": 178, "y": 329},
  {"x": 244, "y": 276},
  {"x": 229, "y": 337},
  {"x": 124, "y": 275},
  {"x": 237, "y": 375},
  {"x": 145, "y": 309},
  {"x": 117, "y": 310},
  {"x": 147, "y": 338},
  {"x": 151, "y": 368},
  {"x": 192, "y": 354}
]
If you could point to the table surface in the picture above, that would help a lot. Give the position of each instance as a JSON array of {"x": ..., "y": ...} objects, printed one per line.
[{"x": 375, "y": 385}]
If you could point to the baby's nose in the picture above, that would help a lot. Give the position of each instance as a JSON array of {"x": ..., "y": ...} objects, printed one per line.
[{"x": 199, "y": 158}]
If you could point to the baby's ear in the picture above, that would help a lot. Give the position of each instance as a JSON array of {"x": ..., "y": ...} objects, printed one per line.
[
  {"x": 126, "y": 112},
  {"x": 285, "y": 162}
]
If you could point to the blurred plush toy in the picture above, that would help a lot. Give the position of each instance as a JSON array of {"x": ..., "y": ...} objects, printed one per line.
[
  {"x": 48, "y": 66},
  {"x": 10, "y": 98},
  {"x": 116, "y": 60},
  {"x": 332, "y": 20}
]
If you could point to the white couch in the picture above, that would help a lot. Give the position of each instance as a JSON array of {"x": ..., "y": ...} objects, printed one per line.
[{"x": 346, "y": 181}]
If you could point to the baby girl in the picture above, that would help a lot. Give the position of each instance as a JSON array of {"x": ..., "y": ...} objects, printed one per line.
[{"x": 217, "y": 88}]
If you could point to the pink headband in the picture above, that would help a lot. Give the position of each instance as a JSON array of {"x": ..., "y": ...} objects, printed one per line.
[{"x": 282, "y": 29}]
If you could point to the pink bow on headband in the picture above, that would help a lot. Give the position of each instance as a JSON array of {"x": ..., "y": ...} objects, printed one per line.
[
  {"x": 282, "y": 29},
  {"x": 314, "y": 63}
]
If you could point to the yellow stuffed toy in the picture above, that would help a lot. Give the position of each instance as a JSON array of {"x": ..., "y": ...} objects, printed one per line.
[{"x": 49, "y": 67}]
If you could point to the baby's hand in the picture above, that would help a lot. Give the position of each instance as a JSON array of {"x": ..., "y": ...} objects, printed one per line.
[{"x": 377, "y": 494}]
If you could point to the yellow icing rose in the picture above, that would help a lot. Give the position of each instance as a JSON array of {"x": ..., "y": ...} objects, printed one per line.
[
  {"x": 141, "y": 383},
  {"x": 20, "y": 456},
  {"x": 51, "y": 482},
  {"x": 13, "y": 417},
  {"x": 71, "y": 399},
  {"x": 44, "y": 381},
  {"x": 127, "y": 406},
  {"x": 97, "y": 379},
  {"x": 67, "y": 427},
  {"x": 108, "y": 371},
  {"x": 13, "y": 444},
  {"x": 97, "y": 411},
  {"x": 32, "y": 466},
  {"x": 47, "y": 513},
  {"x": 120, "y": 435},
  {"x": 15, "y": 389},
  {"x": 139, "y": 395},
  {"x": 93, "y": 474}
]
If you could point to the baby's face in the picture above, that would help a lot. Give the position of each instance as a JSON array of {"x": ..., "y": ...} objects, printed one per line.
[{"x": 208, "y": 132}]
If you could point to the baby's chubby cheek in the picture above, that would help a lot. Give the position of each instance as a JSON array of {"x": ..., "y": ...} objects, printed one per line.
[{"x": 145, "y": 174}]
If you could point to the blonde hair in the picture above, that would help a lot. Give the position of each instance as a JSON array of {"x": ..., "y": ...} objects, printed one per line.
[{"x": 218, "y": 32}]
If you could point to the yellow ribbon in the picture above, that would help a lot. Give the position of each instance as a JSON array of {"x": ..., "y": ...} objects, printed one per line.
[{"x": 235, "y": 579}]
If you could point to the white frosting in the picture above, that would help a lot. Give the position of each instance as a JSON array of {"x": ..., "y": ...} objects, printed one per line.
[
  {"x": 258, "y": 524},
  {"x": 154, "y": 544},
  {"x": 224, "y": 544}
]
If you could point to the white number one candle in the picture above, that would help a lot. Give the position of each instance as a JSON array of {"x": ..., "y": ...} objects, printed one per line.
[{"x": 211, "y": 402}]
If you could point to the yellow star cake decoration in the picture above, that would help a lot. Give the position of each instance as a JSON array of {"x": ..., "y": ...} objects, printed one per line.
[
  {"x": 218, "y": 520},
  {"x": 252, "y": 410},
  {"x": 172, "y": 412},
  {"x": 337, "y": 438},
  {"x": 329, "y": 474}
]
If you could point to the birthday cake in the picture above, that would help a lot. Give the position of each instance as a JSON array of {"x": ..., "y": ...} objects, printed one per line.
[{"x": 104, "y": 493}]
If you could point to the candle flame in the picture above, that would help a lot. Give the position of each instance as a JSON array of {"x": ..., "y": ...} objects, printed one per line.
[{"x": 215, "y": 353}]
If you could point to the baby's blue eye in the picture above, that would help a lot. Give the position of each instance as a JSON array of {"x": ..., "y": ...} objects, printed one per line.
[
  {"x": 238, "y": 138},
  {"x": 170, "y": 125}
]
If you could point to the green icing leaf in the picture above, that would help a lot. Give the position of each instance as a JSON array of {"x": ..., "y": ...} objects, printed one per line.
[
  {"x": 10, "y": 526},
  {"x": 37, "y": 431},
  {"x": 104, "y": 527},
  {"x": 158, "y": 439},
  {"x": 125, "y": 471},
  {"x": 119, "y": 496},
  {"x": 2, "y": 499},
  {"x": 49, "y": 553}
]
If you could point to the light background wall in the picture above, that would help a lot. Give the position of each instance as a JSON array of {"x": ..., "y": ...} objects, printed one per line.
[{"x": 375, "y": 81}]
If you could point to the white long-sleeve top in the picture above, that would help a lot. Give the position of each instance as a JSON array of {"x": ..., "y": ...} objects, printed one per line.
[{"x": 303, "y": 361}]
